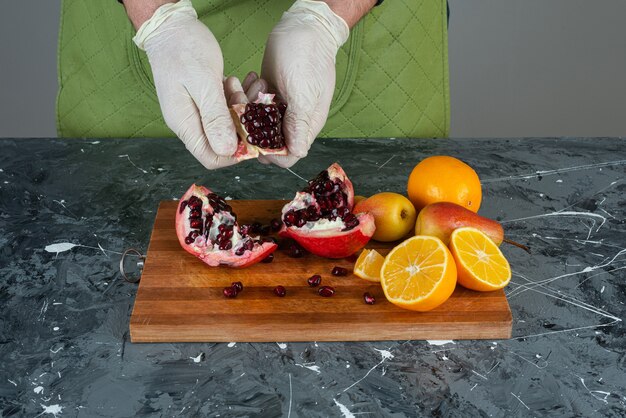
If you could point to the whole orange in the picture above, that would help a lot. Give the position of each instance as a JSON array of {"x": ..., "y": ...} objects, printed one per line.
[{"x": 442, "y": 178}]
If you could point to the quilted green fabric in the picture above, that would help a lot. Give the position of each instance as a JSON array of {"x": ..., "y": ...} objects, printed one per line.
[{"x": 392, "y": 74}]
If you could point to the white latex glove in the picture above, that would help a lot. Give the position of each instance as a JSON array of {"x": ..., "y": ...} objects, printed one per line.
[
  {"x": 299, "y": 65},
  {"x": 188, "y": 70}
]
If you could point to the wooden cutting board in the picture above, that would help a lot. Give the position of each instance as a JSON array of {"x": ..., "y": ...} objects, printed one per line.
[{"x": 180, "y": 298}]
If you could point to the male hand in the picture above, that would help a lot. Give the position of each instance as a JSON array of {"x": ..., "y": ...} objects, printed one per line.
[
  {"x": 299, "y": 65},
  {"x": 188, "y": 70}
]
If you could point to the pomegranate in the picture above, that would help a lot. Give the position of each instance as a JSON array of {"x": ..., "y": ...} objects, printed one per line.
[
  {"x": 320, "y": 217},
  {"x": 207, "y": 228},
  {"x": 259, "y": 126}
]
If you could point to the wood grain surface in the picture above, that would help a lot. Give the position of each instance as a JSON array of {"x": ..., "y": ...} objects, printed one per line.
[{"x": 180, "y": 298}]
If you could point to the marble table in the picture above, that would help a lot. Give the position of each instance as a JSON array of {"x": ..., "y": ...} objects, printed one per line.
[{"x": 68, "y": 208}]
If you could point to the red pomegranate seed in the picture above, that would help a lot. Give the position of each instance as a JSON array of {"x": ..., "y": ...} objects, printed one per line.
[
  {"x": 268, "y": 259},
  {"x": 280, "y": 291},
  {"x": 230, "y": 292},
  {"x": 275, "y": 224},
  {"x": 326, "y": 291},
  {"x": 314, "y": 280},
  {"x": 238, "y": 286},
  {"x": 368, "y": 298},
  {"x": 295, "y": 251},
  {"x": 339, "y": 271},
  {"x": 183, "y": 205}
]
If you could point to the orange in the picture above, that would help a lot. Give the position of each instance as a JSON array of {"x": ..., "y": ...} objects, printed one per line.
[
  {"x": 444, "y": 179},
  {"x": 368, "y": 265},
  {"x": 480, "y": 263},
  {"x": 358, "y": 198},
  {"x": 419, "y": 274}
]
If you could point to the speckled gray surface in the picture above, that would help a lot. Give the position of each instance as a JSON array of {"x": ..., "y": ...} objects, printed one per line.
[{"x": 64, "y": 348}]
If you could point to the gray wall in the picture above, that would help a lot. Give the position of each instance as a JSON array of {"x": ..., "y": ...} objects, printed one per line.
[{"x": 517, "y": 67}]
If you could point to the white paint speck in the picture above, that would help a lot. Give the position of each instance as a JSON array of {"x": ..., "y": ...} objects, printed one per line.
[
  {"x": 52, "y": 409},
  {"x": 228, "y": 198},
  {"x": 82, "y": 150},
  {"x": 282, "y": 346},
  {"x": 602, "y": 290},
  {"x": 95, "y": 142},
  {"x": 344, "y": 410},
  {"x": 559, "y": 181},
  {"x": 160, "y": 169},
  {"x": 440, "y": 342},
  {"x": 38, "y": 390},
  {"x": 60, "y": 247},
  {"x": 237, "y": 178},
  {"x": 55, "y": 329},
  {"x": 6, "y": 182},
  {"x": 386, "y": 355},
  {"x": 230, "y": 345},
  {"x": 12, "y": 382},
  {"x": 57, "y": 350},
  {"x": 310, "y": 366},
  {"x": 197, "y": 359},
  {"x": 444, "y": 358},
  {"x": 541, "y": 195}
]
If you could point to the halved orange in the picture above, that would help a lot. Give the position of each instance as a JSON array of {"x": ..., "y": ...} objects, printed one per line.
[
  {"x": 480, "y": 263},
  {"x": 419, "y": 274},
  {"x": 368, "y": 265}
]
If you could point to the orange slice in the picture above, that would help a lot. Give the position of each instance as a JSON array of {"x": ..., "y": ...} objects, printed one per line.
[
  {"x": 368, "y": 265},
  {"x": 480, "y": 263},
  {"x": 419, "y": 274}
]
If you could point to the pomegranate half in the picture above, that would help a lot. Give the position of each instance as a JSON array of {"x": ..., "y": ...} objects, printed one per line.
[
  {"x": 259, "y": 126},
  {"x": 207, "y": 228},
  {"x": 320, "y": 217}
]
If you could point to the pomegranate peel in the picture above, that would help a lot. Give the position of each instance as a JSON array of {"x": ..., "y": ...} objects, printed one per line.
[{"x": 207, "y": 228}]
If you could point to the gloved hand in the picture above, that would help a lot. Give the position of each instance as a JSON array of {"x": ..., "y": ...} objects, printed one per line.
[
  {"x": 299, "y": 65},
  {"x": 188, "y": 70}
]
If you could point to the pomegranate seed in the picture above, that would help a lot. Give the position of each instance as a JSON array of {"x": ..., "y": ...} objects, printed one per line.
[
  {"x": 238, "y": 286},
  {"x": 295, "y": 251},
  {"x": 188, "y": 240},
  {"x": 183, "y": 205},
  {"x": 339, "y": 271},
  {"x": 326, "y": 291},
  {"x": 268, "y": 259},
  {"x": 275, "y": 224},
  {"x": 195, "y": 223},
  {"x": 314, "y": 280},
  {"x": 368, "y": 298},
  {"x": 280, "y": 291},
  {"x": 195, "y": 214},
  {"x": 255, "y": 228},
  {"x": 240, "y": 251},
  {"x": 230, "y": 292}
]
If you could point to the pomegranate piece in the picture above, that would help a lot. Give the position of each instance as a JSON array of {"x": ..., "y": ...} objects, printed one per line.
[
  {"x": 207, "y": 228},
  {"x": 339, "y": 271},
  {"x": 368, "y": 298},
  {"x": 314, "y": 280},
  {"x": 320, "y": 217},
  {"x": 275, "y": 225},
  {"x": 259, "y": 127},
  {"x": 280, "y": 291},
  {"x": 294, "y": 250},
  {"x": 326, "y": 291}
]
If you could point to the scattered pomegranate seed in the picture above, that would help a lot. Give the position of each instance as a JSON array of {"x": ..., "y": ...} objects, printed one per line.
[
  {"x": 314, "y": 280},
  {"x": 268, "y": 259},
  {"x": 275, "y": 224},
  {"x": 230, "y": 292},
  {"x": 339, "y": 271},
  {"x": 295, "y": 251},
  {"x": 280, "y": 291},
  {"x": 326, "y": 291},
  {"x": 368, "y": 298},
  {"x": 238, "y": 286}
]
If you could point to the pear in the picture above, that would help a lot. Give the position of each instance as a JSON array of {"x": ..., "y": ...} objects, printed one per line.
[{"x": 441, "y": 218}]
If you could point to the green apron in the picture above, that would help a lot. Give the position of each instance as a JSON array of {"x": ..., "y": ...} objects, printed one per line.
[{"x": 392, "y": 74}]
